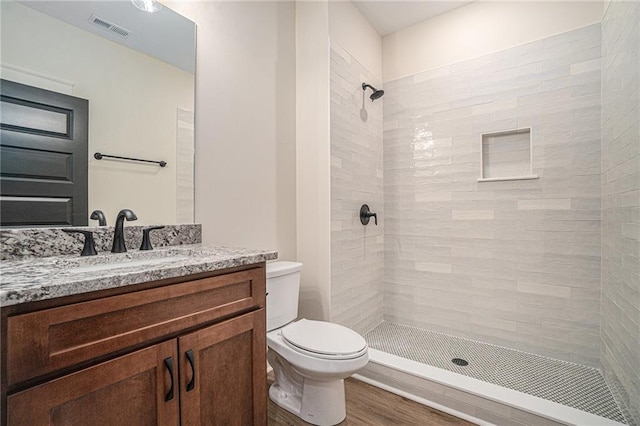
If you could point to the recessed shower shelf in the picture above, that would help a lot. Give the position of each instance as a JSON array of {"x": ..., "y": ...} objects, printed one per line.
[{"x": 506, "y": 155}]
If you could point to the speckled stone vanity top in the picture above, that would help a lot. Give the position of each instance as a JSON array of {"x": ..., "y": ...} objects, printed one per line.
[{"x": 44, "y": 278}]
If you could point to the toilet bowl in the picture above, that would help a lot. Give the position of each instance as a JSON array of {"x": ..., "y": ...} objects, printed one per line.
[{"x": 310, "y": 359}]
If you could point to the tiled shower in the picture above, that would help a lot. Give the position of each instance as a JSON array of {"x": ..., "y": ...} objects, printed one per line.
[
  {"x": 515, "y": 262},
  {"x": 547, "y": 265}
]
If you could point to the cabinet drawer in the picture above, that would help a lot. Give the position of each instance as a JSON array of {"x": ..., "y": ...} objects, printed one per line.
[{"x": 51, "y": 339}]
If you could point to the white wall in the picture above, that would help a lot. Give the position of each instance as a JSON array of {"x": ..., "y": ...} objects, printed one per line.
[
  {"x": 123, "y": 100},
  {"x": 350, "y": 30},
  {"x": 477, "y": 29},
  {"x": 312, "y": 158},
  {"x": 245, "y": 123}
]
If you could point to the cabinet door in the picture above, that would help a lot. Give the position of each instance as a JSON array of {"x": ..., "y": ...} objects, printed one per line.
[
  {"x": 133, "y": 389},
  {"x": 223, "y": 373}
]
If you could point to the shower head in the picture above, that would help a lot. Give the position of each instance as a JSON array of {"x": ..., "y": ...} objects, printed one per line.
[{"x": 376, "y": 93}]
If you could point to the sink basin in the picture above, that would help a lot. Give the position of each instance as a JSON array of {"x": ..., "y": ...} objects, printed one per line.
[{"x": 125, "y": 263}]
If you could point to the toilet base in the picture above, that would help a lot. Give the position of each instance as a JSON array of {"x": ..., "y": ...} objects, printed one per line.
[
  {"x": 311, "y": 387},
  {"x": 321, "y": 403}
]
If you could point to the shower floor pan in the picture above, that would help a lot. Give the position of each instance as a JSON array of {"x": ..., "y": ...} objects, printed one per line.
[{"x": 508, "y": 381}]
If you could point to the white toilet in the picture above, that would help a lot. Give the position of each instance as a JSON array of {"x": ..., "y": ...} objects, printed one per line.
[{"x": 310, "y": 359}]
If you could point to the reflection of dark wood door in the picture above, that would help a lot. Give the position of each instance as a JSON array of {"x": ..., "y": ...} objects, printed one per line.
[{"x": 43, "y": 157}]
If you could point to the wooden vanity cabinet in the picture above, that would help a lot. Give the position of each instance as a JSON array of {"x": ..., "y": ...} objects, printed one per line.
[{"x": 209, "y": 369}]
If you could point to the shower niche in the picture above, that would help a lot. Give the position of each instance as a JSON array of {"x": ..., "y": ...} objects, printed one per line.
[{"x": 506, "y": 155}]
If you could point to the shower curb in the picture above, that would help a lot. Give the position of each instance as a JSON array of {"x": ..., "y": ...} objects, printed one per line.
[
  {"x": 423, "y": 401},
  {"x": 392, "y": 369}
]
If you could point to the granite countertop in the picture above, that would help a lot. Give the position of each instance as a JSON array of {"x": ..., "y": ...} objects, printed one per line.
[{"x": 45, "y": 278}]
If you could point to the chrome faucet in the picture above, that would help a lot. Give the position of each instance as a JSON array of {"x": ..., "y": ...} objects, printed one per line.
[{"x": 118, "y": 236}]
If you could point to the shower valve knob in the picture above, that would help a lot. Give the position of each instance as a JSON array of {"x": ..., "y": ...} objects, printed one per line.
[{"x": 366, "y": 214}]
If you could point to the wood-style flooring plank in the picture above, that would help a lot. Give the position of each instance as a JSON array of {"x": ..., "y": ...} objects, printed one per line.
[{"x": 370, "y": 406}]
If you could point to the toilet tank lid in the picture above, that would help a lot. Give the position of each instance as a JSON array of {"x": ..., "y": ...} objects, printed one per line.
[{"x": 278, "y": 268}]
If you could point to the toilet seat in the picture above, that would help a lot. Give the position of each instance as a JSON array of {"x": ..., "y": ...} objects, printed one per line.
[{"x": 324, "y": 340}]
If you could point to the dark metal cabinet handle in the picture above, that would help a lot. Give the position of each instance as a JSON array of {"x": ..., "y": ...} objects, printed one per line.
[
  {"x": 168, "y": 362},
  {"x": 192, "y": 382}
]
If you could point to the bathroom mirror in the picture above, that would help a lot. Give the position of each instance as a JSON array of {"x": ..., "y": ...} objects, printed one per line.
[{"x": 137, "y": 71}]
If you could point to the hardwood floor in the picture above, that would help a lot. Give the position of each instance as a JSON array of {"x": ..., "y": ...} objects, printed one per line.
[{"x": 371, "y": 406}]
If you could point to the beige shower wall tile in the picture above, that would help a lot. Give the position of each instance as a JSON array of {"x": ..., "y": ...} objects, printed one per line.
[
  {"x": 545, "y": 204},
  {"x": 543, "y": 289},
  {"x": 620, "y": 307},
  {"x": 472, "y": 214}
]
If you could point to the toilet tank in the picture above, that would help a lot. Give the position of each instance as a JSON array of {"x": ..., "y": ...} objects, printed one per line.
[{"x": 283, "y": 287}]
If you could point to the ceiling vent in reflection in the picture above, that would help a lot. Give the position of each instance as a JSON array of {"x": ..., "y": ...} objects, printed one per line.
[{"x": 109, "y": 26}]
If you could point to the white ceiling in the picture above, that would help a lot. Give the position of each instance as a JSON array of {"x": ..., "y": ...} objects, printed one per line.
[
  {"x": 390, "y": 16},
  {"x": 165, "y": 34}
]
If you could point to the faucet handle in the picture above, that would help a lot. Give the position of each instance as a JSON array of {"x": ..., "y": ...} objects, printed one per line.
[
  {"x": 146, "y": 238},
  {"x": 365, "y": 214},
  {"x": 89, "y": 248}
]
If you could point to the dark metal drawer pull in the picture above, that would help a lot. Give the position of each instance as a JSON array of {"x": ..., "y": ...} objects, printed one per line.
[
  {"x": 192, "y": 383},
  {"x": 168, "y": 362}
]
